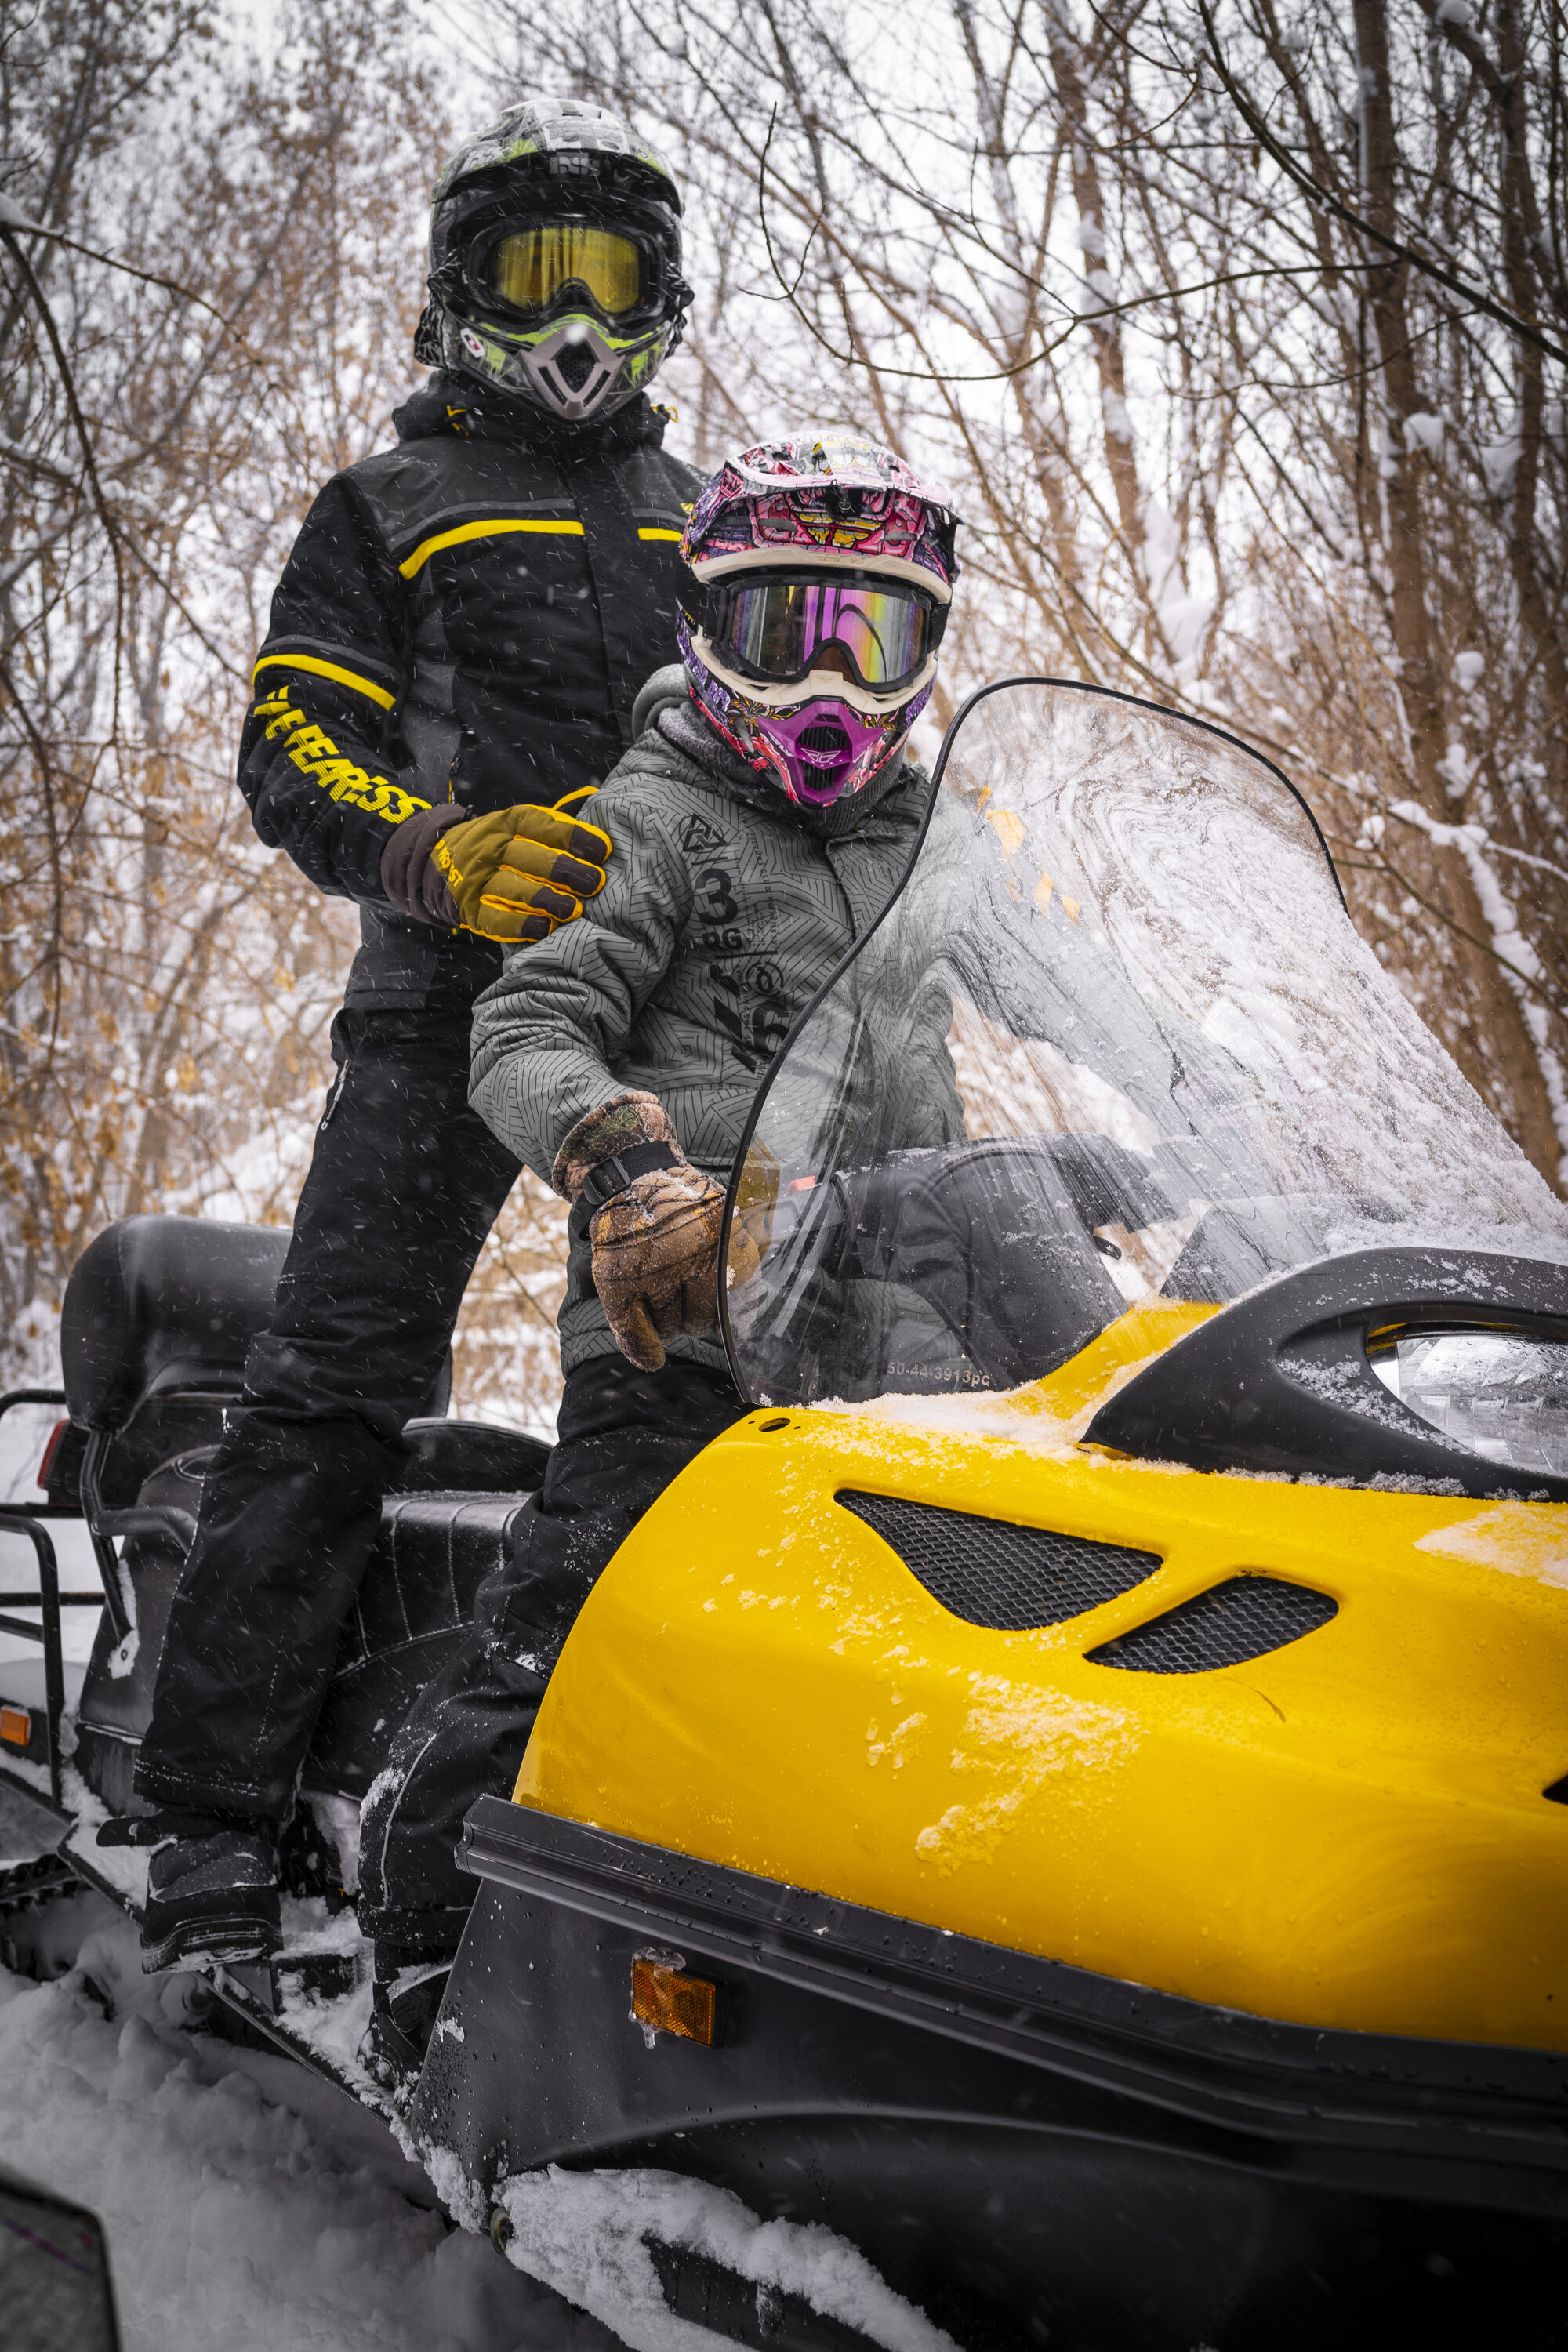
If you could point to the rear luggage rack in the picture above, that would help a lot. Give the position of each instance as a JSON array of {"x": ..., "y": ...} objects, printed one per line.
[
  {"x": 36, "y": 1739},
  {"x": 1244, "y": 1618},
  {"x": 995, "y": 1573}
]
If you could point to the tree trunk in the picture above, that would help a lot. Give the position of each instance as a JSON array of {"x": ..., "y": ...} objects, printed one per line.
[{"x": 1487, "y": 1024}]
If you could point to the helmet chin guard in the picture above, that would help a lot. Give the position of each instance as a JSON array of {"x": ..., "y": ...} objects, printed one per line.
[
  {"x": 819, "y": 748},
  {"x": 574, "y": 369}
]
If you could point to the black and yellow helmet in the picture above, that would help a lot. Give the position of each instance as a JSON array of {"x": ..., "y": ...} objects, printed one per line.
[{"x": 556, "y": 260}]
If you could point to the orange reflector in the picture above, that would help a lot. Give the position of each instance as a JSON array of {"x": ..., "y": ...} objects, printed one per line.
[
  {"x": 16, "y": 1726},
  {"x": 669, "y": 2002}
]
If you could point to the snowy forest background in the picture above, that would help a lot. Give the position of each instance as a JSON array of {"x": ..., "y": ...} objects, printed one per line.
[{"x": 1239, "y": 337}]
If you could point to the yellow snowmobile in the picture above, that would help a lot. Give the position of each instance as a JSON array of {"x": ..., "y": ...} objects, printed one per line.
[
  {"x": 1071, "y": 1793},
  {"x": 1053, "y": 1829}
]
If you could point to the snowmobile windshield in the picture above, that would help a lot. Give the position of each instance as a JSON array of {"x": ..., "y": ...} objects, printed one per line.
[{"x": 1114, "y": 1040}]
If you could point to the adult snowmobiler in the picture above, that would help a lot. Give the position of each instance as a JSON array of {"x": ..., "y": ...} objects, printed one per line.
[
  {"x": 761, "y": 824},
  {"x": 456, "y": 645}
]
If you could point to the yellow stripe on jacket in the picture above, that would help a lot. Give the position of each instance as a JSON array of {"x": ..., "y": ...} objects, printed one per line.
[{"x": 492, "y": 529}]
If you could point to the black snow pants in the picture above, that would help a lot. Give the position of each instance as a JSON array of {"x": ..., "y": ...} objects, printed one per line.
[
  {"x": 405, "y": 1183},
  {"x": 623, "y": 1435}
]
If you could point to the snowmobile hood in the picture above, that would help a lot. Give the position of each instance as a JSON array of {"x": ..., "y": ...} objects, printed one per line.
[
  {"x": 1323, "y": 1805},
  {"x": 1149, "y": 1546}
]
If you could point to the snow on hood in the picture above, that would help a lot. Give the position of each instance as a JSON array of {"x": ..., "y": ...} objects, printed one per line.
[{"x": 1517, "y": 1538}]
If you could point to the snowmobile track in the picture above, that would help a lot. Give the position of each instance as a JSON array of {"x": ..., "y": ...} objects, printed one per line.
[{"x": 250, "y": 1996}]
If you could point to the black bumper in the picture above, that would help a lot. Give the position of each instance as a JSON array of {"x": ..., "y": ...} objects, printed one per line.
[{"x": 1019, "y": 2146}]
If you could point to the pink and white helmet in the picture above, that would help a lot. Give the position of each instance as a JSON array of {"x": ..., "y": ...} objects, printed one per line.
[{"x": 822, "y": 573}]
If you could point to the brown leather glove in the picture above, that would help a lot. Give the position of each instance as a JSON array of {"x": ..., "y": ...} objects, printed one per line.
[
  {"x": 514, "y": 876},
  {"x": 655, "y": 1232}
]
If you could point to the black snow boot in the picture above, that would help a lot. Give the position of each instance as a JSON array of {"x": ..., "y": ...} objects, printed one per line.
[
  {"x": 405, "y": 1999},
  {"x": 212, "y": 1887}
]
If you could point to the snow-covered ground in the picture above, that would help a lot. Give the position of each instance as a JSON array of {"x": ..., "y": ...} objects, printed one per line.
[
  {"x": 251, "y": 2207},
  {"x": 248, "y": 2207}
]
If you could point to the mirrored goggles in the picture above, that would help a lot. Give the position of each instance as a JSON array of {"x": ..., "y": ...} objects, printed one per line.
[
  {"x": 879, "y": 633},
  {"x": 530, "y": 269}
]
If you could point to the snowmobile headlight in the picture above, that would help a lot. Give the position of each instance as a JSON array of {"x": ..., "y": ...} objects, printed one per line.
[
  {"x": 1366, "y": 1368},
  {"x": 1498, "y": 1392}
]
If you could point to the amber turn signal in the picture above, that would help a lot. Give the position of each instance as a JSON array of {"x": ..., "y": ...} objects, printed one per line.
[
  {"x": 670, "y": 2003},
  {"x": 16, "y": 1726}
]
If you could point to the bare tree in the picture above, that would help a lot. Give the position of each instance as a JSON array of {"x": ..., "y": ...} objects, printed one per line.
[
  {"x": 209, "y": 274},
  {"x": 1214, "y": 439},
  {"x": 1417, "y": 154}
]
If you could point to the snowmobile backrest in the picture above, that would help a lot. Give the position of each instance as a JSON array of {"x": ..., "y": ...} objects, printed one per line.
[
  {"x": 470, "y": 1457},
  {"x": 158, "y": 1319},
  {"x": 156, "y": 1303}
]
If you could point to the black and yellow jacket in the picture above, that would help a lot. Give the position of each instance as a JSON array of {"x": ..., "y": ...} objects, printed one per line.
[{"x": 467, "y": 617}]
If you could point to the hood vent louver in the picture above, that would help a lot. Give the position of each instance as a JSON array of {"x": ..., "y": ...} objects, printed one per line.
[
  {"x": 1244, "y": 1618},
  {"x": 995, "y": 1573}
]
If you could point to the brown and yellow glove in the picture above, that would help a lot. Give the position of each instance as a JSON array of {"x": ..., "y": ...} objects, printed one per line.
[
  {"x": 653, "y": 1221},
  {"x": 514, "y": 877}
]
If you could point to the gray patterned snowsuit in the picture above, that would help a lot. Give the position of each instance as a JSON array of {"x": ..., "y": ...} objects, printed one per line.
[{"x": 721, "y": 921}]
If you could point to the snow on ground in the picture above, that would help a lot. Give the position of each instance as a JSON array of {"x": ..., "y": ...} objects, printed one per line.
[
  {"x": 248, "y": 2205},
  {"x": 251, "y": 2206}
]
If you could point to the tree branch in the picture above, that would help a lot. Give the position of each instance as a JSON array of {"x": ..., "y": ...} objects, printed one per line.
[{"x": 1329, "y": 203}]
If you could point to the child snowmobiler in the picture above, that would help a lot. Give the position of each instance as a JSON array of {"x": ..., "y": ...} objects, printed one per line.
[
  {"x": 456, "y": 647},
  {"x": 764, "y": 822},
  {"x": 761, "y": 826}
]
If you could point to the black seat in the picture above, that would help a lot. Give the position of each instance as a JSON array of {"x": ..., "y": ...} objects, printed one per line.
[
  {"x": 159, "y": 1303},
  {"x": 158, "y": 1318},
  {"x": 433, "y": 1553},
  {"x": 409, "y": 1620}
]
